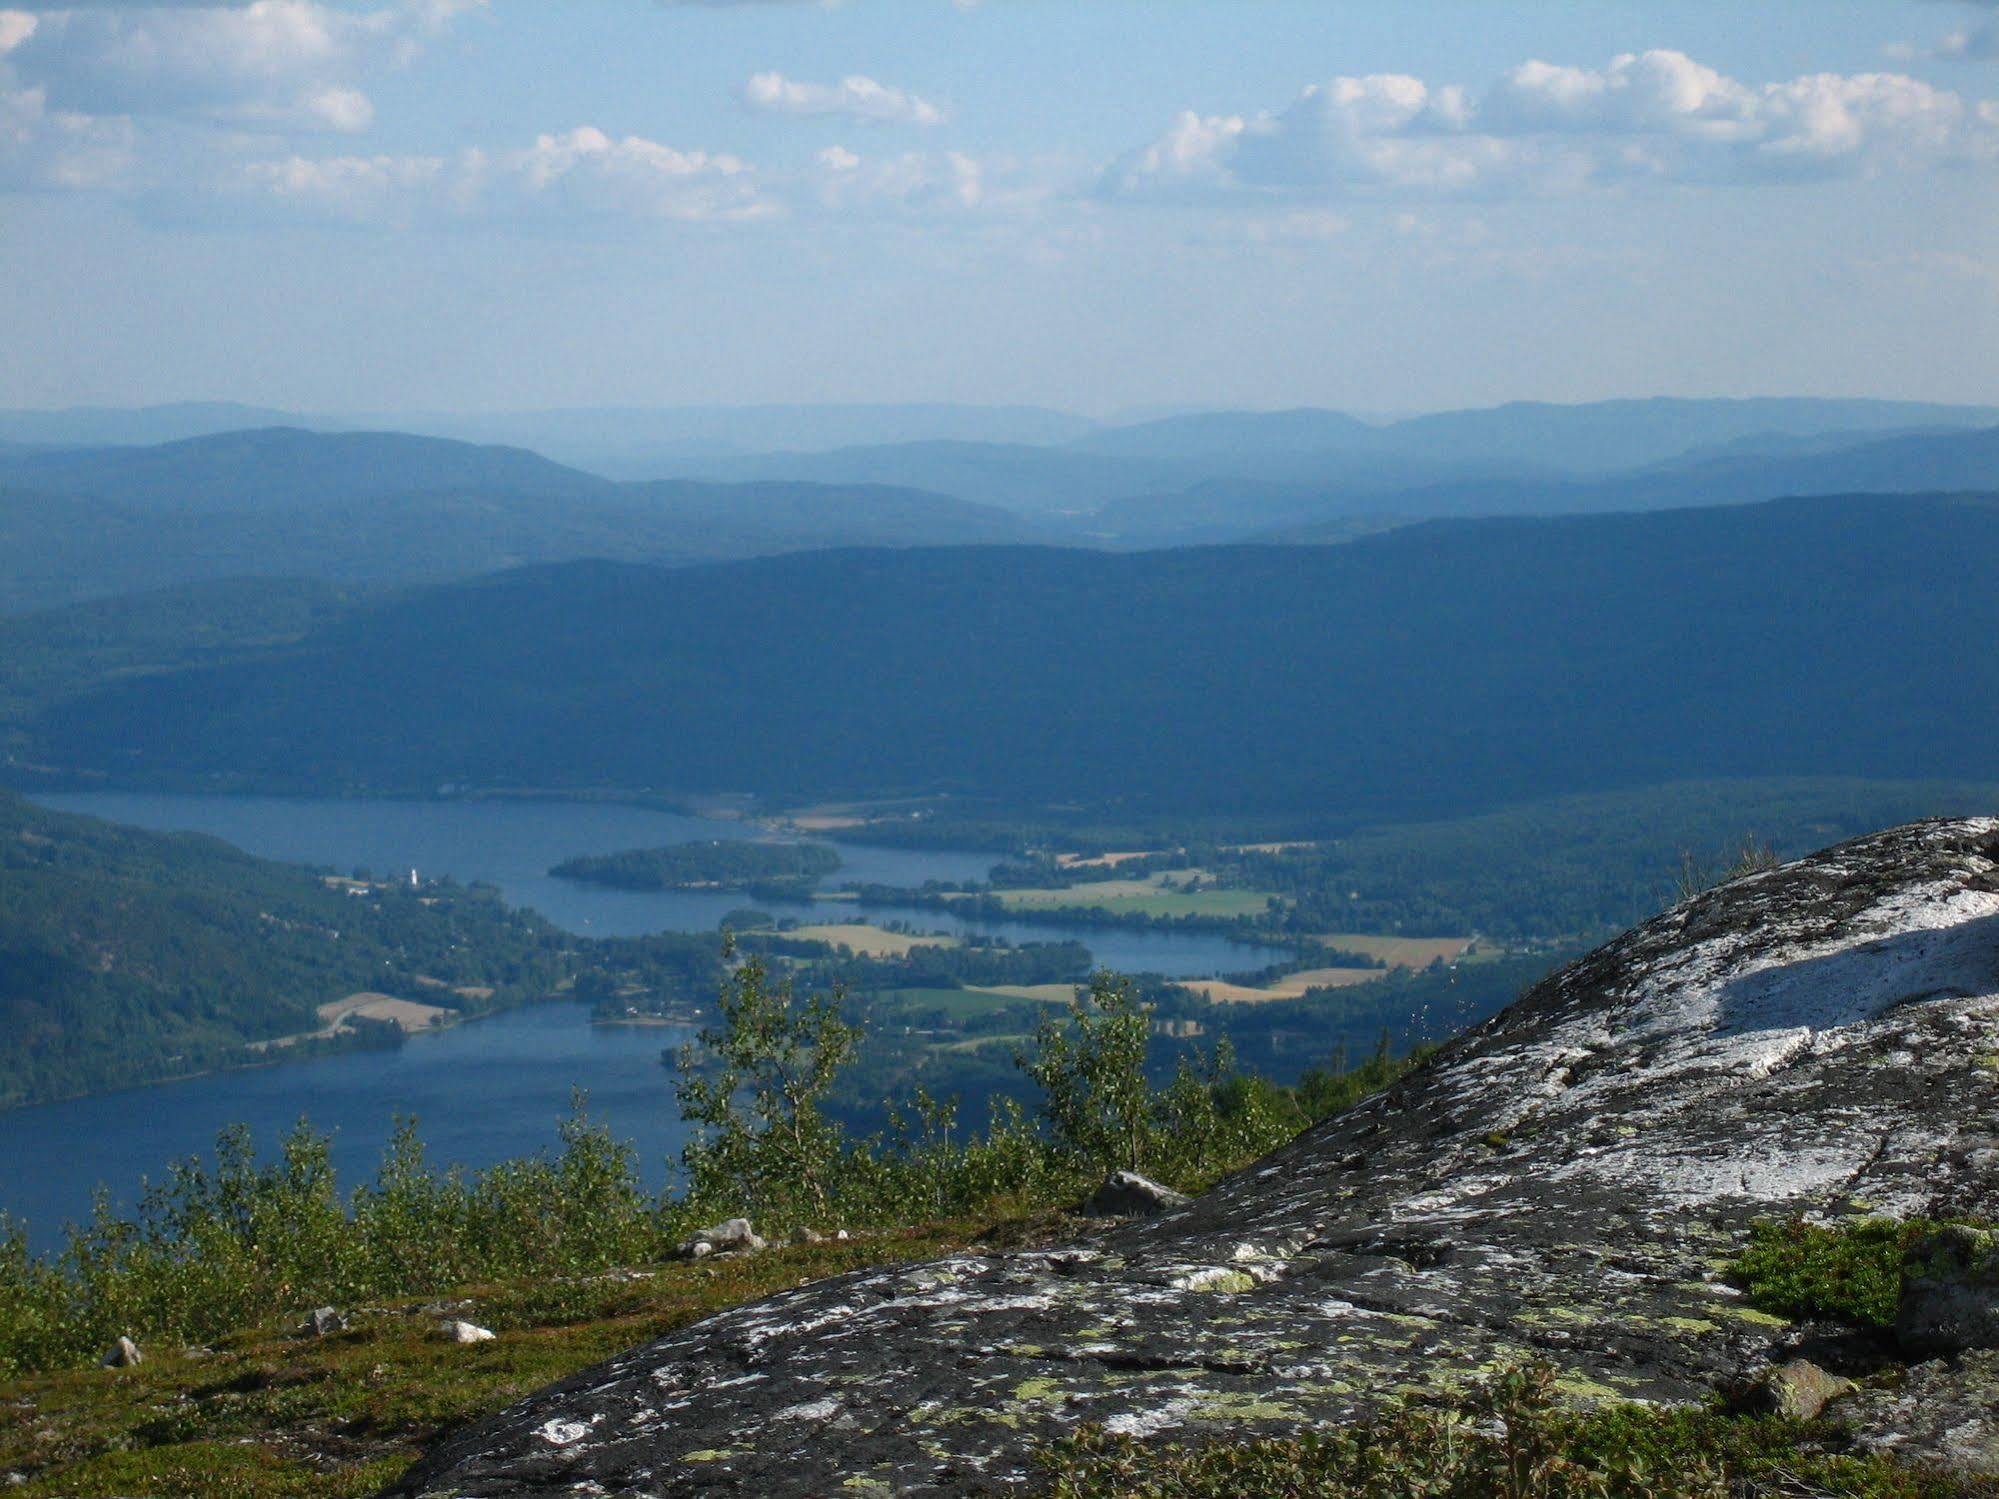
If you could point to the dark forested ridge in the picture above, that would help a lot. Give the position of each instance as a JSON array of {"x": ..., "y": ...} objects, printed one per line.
[{"x": 1447, "y": 665}]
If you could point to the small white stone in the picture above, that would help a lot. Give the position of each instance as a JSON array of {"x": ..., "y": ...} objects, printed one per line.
[{"x": 560, "y": 1433}]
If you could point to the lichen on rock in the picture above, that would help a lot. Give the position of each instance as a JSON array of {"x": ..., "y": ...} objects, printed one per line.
[{"x": 1795, "y": 1043}]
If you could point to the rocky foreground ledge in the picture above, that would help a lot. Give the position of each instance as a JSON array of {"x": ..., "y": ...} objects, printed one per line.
[{"x": 1563, "y": 1183}]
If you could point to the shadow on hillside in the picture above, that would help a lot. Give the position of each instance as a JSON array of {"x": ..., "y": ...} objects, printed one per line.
[{"x": 1866, "y": 980}]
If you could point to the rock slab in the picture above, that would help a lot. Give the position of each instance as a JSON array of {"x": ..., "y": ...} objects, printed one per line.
[
  {"x": 1566, "y": 1182},
  {"x": 1950, "y": 1292}
]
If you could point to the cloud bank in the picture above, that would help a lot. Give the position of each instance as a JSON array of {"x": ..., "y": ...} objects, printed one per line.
[{"x": 1650, "y": 116}]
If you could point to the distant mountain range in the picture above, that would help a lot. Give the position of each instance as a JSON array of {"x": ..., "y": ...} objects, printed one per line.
[
  {"x": 385, "y": 507},
  {"x": 392, "y": 508},
  {"x": 618, "y": 441},
  {"x": 1440, "y": 666},
  {"x": 633, "y": 442}
]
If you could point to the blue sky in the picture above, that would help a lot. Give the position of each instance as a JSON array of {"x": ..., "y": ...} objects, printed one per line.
[{"x": 1100, "y": 205}]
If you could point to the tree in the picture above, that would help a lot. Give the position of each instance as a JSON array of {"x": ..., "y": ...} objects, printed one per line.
[
  {"x": 1090, "y": 1066},
  {"x": 754, "y": 1086}
]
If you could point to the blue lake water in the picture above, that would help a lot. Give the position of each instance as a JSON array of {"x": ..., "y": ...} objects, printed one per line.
[
  {"x": 483, "y": 1092},
  {"x": 512, "y": 844},
  {"x": 495, "y": 1088}
]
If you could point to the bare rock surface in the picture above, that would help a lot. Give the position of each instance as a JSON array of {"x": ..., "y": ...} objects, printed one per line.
[{"x": 1566, "y": 1183}]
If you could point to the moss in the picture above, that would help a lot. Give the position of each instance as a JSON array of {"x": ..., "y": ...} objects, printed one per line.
[
  {"x": 1223, "y": 1281},
  {"x": 1509, "y": 1437},
  {"x": 1689, "y": 1324},
  {"x": 1039, "y": 1392}
]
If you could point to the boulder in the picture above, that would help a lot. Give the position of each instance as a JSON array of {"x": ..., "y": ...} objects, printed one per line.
[
  {"x": 1950, "y": 1292},
  {"x": 323, "y": 1323},
  {"x": 729, "y": 1235},
  {"x": 1813, "y": 1040},
  {"x": 123, "y": 1354},
  {"x": 1797, "y": 1390},
  {"x": 1126, "y": 1194},
  {"x": 465, "y": 1332}
]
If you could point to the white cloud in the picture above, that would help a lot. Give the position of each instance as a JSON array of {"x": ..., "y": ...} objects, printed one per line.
[
  {"x": 1979, "y": 43},
  {"x": 570, "y": 176},
  {"x": 854, "y": 97},
  {"x": 1547, "y": 128},
  {"x": 586, "y": 170},
  {"x": 16, "y": 26},
  {"x": 269, "y": 63},
  {"x": 56, "y": 149},
  {"x": 357, "y": 188},
  {"x": 926, "y": 183}
]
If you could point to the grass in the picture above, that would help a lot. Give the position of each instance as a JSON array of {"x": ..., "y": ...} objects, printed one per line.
[
  {"x": 1047, "y": 994},
  {"x": 959, "y": 1004},
  {"x": 267, "y": 1414}
]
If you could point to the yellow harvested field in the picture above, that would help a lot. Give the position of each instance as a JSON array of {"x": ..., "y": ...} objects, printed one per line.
[
  {"x": 1291, "y": 986},
  {"x": 826, "y": 822},
  {"x": 406, "y": 1013},
  {"x": 1399, "y": 952},
  {"x": 868, "y": 941},
  {"x": 1223, "y": 993},
  {"x": 1107, "y": 861},
  {"x": 1061, "y": 994}
]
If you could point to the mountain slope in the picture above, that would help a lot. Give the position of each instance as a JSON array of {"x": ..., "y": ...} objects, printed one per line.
[
  {"x": 1604, "y": 435},
  {"x": 1213, "y": 434},
  {"x": 388, "y": 508},
  {"x": 1559, "y": 1185},
  {"x": 1439, "y": 666},
  {"x": 285, "y": 468},
  {"x": 1906, "y": 463}
]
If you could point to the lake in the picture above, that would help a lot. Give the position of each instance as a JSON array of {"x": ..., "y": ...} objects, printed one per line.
[
  {"x": 494, "y": 1088},
  {"x": 512, "y": 844},
  {"x": 483, "y": 1092}
]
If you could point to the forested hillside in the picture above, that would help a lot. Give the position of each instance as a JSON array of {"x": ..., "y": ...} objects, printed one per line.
[
  {"x": 1435, "y": 668},
  {"x": 128, "y": 956}
]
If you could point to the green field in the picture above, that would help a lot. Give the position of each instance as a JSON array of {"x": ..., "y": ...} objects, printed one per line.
[
  {"x": 959, "y": 1004},
  {"x": 1147, "y": 897}
]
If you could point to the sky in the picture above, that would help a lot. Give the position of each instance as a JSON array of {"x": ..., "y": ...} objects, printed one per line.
[{"x": 1101, "y": 205}]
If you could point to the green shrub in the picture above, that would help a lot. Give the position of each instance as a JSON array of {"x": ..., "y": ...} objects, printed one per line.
[{"x": 1845, "y": 1272}]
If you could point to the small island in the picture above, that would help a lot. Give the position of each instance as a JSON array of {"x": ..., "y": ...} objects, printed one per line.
[{"x": 772, "y": 870}]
